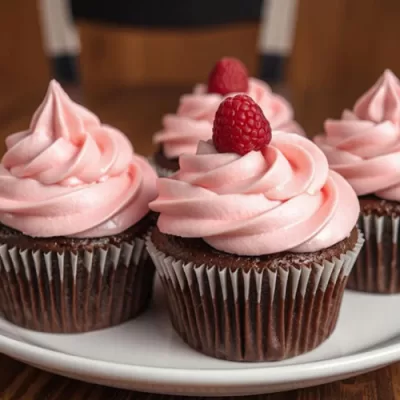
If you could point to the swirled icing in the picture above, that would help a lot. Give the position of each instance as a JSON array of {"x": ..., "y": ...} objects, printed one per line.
[
  {"x": 364, "y": 146},
  {"x": 70, "y": 175},
  {"x": 283, "y": 198}
]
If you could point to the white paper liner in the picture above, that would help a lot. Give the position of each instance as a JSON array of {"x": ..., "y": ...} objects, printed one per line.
[
  {"x": 75, "y": 292},
  {"x": 161, "y": 172},
  {"x": 256, "y": 315},
  {"x": 377, "y": 269}
]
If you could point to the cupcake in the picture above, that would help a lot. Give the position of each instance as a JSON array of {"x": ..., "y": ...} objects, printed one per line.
[
  {"x": 73, "y": 218},
  {"x": 364, "y": 147},
  {"x": 255, "y": 240},
  {"x": 193, "y": 121}
]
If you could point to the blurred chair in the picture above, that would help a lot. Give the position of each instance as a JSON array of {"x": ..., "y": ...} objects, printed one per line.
[
  {"x": 184, "y": 29},
  {"x": 61, "y": 43},
  {"x": 142, "y": 55}
]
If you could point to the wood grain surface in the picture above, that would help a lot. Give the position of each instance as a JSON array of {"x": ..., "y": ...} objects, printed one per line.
[
  {"x": 340, "y": 49},
  {"x": 115, "y": 56},
  {"x": 21, "y": 382}
]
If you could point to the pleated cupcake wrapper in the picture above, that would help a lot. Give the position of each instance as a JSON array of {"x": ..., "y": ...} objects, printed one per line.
[
  {"x": 257, "y": 315},
  {"x": 161, "y": 172},
  {"x": 75, "y": 292},
  {"x": 377, "y": 269}
]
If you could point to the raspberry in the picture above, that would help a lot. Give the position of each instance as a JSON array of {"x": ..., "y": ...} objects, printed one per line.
[
  {"x": 240, "y": 126},
  {"x": 229, "y": 75}
]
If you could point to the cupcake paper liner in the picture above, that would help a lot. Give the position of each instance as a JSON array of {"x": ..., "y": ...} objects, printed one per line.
[
  {"x": 72, "y": 292},
  {"x": 377, "y": 269},
  {"x": 254, "y": 315}
]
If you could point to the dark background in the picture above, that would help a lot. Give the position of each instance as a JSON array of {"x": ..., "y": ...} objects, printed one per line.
[{"x": 167, "y": 13}]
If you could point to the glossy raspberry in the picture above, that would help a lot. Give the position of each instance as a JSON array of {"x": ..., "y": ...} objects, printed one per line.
[
  {"x": 229, "y": 75},
  {"x": 240, "y": 126}
]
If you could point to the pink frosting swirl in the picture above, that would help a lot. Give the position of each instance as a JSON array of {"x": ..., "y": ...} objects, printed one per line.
[
  {"x": 364, "y": 146},
  {"x": 181, "y": 135},
  {"x": 283, "y": 198},
  {"x": 69, "y": 175},
  {"x": 193, "y": 120}
]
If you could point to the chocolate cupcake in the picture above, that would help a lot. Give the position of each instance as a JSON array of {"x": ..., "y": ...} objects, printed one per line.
[
  {"x": 254, "y": 246},
  {"x": 364, "y": 147},
  {"x": 193, "y": 120},
  {"x": 73, "y": 221}
]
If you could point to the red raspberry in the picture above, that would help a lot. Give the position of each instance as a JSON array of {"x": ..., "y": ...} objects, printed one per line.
[
  {"x": 240, "y": 126},
  {"x": 228, "y": 76}
]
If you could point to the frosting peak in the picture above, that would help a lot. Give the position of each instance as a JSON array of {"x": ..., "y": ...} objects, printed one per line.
[
  {"x": 364, "y": 145},
  {"x": 381, "y": 102},
  {"x": 66, "y": 118},
  {"x": 283, "y": 198},
  {"x": 70, "y": 175},
  {"x": 66, "y": 144}
]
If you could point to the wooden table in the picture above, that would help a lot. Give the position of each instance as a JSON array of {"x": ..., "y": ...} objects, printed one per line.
[{"x": 21, "y": 382}]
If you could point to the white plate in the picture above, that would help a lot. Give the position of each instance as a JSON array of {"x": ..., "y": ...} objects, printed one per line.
[{"x": 146, "y": 354}]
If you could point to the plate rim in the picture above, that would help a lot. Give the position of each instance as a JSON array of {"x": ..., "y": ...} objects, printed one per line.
[{"x": 170, "y": 378}]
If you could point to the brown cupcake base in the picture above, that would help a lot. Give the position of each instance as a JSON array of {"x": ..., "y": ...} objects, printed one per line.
[
  {"x": 252, "y": 308},
  {"x": 164, "y": 166},
  {"x": 66, "y": 285},
  {"x": 377, "y": 269}
]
